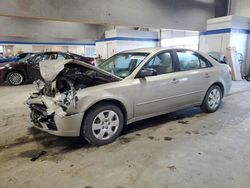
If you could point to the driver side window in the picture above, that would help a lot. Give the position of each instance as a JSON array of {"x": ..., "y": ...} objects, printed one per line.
[{"x": 162, "y": 63}]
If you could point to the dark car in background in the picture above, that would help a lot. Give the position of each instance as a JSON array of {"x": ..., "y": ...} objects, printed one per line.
[
  {"x": 89, "y": 60},
  {"x": 15, "y": 58},
  {"x": 27, "y": 68}
]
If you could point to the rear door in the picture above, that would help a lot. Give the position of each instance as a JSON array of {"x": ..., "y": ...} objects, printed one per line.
[
  {"x": 33, "y": 69},
  {"x": 193, "y": 78}
]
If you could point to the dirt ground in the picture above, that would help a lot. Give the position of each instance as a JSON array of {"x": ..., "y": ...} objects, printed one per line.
[{"x": 187, "y": 148}]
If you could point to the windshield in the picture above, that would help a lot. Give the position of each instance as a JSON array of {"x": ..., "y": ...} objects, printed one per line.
[
  {"x": 26, "y": 57},
  {"x": 123, "y": 64}
]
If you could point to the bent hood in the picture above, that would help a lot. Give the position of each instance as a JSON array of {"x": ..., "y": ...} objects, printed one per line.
[{"x": 51, "y": 68}]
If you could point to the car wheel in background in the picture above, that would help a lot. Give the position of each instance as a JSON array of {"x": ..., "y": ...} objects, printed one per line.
[
  {"x": 15, "y": 78},
  {"x": 103, "y": 124},
  {"x": 247, "y": 78},
  {"x": 212, "y": 99}
]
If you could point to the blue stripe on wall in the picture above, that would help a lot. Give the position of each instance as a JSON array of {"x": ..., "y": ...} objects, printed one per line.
[
  {"x": 217, "y": 31},
  {"x": 129, "y": 39},
  {"x": 51, "y": 43},
  {"x": 226, "y": 30},
  {"x": 244, "y": 31}
]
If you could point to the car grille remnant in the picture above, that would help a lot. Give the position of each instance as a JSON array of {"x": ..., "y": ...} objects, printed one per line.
[{"x": 39, "y": 115}]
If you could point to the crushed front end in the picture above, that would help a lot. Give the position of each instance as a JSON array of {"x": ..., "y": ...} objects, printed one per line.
[
  {"x": 48, "y": 115},
  {"x": 54, "y": 105}
]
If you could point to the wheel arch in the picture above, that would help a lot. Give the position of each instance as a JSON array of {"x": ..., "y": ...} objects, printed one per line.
[
  {"x": 220, "y": 84},
  {"x": 14, "y": 70},
  {"x": 115, "y": 102}
]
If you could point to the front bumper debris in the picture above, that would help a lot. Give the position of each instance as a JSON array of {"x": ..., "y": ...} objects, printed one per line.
[{"x": 49, "y": 117}]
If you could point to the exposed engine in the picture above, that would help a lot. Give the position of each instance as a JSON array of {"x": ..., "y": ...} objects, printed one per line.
[
  {"x": 63, "y": 91},
  {"x": 57, "y": 95}
]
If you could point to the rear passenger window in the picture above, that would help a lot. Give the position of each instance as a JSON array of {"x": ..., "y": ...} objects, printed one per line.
[{"x": 190, "y": 61}]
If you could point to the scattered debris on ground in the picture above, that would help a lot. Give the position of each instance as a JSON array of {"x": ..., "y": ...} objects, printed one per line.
[
  {"x": 151, "y": 137},
  {"x": 212, "y": 133},
  {"x": 183, "y": 122},
  {"x": 167, "y": 138},
  {"x": 196, "y": 132},
  {"x": 187, "y": 132},
  {"x": 124, "y": 140},
  {"x": 172, "y": 168},
  {"x": 38, "y": 155}
]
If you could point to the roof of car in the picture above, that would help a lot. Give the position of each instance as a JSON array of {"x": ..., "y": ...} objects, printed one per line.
[
  {"x": 51, "y": 52},
  {"x": 153, "y": 49},
  {"x": 142, "y": 50}
]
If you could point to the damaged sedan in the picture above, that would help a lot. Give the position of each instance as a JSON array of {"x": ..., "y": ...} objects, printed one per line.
[{"x": 95, "y": 103}]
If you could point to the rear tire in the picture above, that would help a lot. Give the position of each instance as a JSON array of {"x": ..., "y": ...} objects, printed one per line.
[
  {"x": 247, "y": 78},
  {"x": 15, "y": 78},
  {"x": 212, "y": 100},
  {"x": 103, "y": 124}
]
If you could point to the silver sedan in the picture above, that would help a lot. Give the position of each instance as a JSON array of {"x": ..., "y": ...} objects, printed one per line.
[{"x": 77, "y": 99}]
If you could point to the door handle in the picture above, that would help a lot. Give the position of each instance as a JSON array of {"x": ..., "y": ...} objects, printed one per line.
[
  {"x": 206, "y": 75},
  {"x": 175, "y": 81},
  {"x": 36, "y": 66}
]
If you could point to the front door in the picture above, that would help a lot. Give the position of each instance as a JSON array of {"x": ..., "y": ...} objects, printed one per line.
[{"x": 157, "y": 94}]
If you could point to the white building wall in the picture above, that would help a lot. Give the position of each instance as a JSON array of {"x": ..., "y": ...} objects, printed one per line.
[
  {"x": 22, "y": 48},
  {"x": 233, "y": 32},
  {"x": 120, "y": 39},
  {"x": 224, "y": 32},
  {"x": 214, "y": 43},
  {"x": 180, "y": 39},
  {"x": 240, "y": 41},
  {"x": 77, "y": 49},
  {"x": 128, "y": 45},
  {"x": 105, "y": 49}
]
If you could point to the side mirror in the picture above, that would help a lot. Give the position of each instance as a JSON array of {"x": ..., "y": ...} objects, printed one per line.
[{"x": 147, "y": 72}]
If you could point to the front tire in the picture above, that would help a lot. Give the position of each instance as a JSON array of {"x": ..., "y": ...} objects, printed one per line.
[
  {"x": 103, "y": 124},
  {"x": 212, "y": 100},
  {"x": 15, "y": 78}
]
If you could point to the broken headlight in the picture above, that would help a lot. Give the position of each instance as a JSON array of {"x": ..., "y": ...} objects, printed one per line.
[{"x": 67, "y": 98}]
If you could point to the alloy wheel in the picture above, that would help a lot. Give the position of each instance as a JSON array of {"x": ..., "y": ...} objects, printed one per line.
[
  {"x": 105, "y": 124},
  {"x": 15, "y": 78},
  {"x": 214, "y": 98}
]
